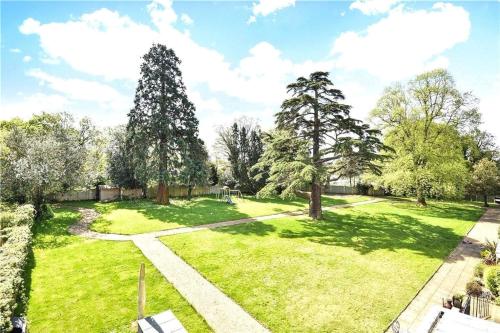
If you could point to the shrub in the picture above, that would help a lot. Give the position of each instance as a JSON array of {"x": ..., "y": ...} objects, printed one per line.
[
  {"x": 488, "y": 252},
  {"x": 473, "y": 288},
  {"x": 457, "y": 300},
  {"x": 13, "y": 259},
  {"x": 47, "y": 212},
  {"x": 479, "y": 270},
  {"x": 493, "y": 280}
]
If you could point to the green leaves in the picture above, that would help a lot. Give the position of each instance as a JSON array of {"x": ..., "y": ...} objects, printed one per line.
[
  {"x": 162, "y": 122},
  {"x": 422, "y": 121},
  {"x": 317, "y": 139}
]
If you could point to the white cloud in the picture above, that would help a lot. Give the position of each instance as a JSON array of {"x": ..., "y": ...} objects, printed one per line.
[
  {"x": 15, "y": 50},
  {"x": 26, "y": 58},
  {"x": 34, "y": 104},
  {"x": 266, "y": 7},
  {"x": 108, "y": 44},
  {"x": 111, "y": 45},
  {"x": 404, "y": 43},
  {"x": 87, "y": 91},
  {"x": 162, "y": 13},
  {"x": 373, "y": 7},
  {"x": 251, "y": 19},
  {"x": 186, "y": 19}
]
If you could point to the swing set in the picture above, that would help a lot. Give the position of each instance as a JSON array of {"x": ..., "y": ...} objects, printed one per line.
[{"x": 226, "y": 194}]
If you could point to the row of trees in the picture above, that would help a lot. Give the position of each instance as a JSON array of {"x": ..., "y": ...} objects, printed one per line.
[{"x": 426, "y": 142}]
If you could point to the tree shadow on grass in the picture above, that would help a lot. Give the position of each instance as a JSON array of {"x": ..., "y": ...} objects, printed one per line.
[
  {"x": 461, "y": 210},
  {"x": 371, "y": 232},
  {"x": 191, "y": 213},
  {"x": 53, "y": 233},
  {"x": 199, "y": 211},
  {"x": 24, "y": 296},
  {"x": 256, "y": 228}
]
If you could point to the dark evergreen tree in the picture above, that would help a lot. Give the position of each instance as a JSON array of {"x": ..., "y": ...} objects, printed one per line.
[
  {"x": 163, "y": 119},
  {"x": 194, "y": 165},
  {"x": 242, "y": 145},
  {"x": 315, "y": 130},
  {"x": 120, "y": 160},
  {"x": 213, "y": 179}
]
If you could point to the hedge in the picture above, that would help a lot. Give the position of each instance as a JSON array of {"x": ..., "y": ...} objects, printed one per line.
[{"x": 13, "y": 259}]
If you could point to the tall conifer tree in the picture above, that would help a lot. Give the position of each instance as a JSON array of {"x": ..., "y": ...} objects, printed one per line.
[{"x": 163, "y": 118}]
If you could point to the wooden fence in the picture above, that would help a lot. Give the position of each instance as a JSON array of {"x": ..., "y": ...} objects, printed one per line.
[
  {"x": 180, "y": 191},
  {"x": 340, "y": 189},
  {"x": 76, "y": 195},
  {"x": 110, "y": 193}
]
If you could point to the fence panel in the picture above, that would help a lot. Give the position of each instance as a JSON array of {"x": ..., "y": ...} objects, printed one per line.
[
  {"x": 76, "y": 196},
  {"x": 109, "y": 193},
  {"x": 339, "y": 189},
  {"x": 181, "y": 191}
]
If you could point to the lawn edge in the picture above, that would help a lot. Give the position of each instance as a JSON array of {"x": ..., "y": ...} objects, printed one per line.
[{"x": 434, "y": 273}]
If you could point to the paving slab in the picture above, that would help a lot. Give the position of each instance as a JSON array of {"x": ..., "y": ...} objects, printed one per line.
[{"x": 454, "y": 273}]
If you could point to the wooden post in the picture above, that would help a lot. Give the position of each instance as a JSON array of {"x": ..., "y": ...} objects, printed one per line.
[{"x": 142, "y": 293}]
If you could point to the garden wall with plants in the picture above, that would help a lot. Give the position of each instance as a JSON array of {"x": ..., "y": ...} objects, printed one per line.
[{"x": 15, "y": 241}]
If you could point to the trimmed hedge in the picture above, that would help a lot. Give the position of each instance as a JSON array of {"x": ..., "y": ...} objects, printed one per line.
[{"x": 13, "y": 259}]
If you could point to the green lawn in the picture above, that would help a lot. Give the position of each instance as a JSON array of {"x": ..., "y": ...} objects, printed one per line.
[
  {"x": 352, "y": 272},
  {"x": 79, "y": 285},
  {"x": 139, "y": 216}
]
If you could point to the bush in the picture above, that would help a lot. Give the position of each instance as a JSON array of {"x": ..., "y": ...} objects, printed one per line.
[
  {"x": 479, "y": 270},
  {"x": 13, "y": 259},
  {"x": 457, "y": 300},
  {"x": 493, "y": 280},
  {"x": 362, "y": 188},
  {"x": 488, "y": 252},
  {"x": 47, "y": 212},
  {"x": 473, "y": 288}
]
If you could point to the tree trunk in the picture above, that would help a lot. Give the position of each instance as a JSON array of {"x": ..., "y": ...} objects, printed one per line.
[
  {"x": 421, "y": 198},
  {"x": 485, "y": 197},
  {"x": 315, "y": 201},
  {"x": 162, "y": 194},
  {"x": 37, "y": 204},
  {"x": 190, "y": 190}
]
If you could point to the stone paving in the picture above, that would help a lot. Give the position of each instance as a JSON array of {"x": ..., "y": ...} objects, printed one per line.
[
  {"x": 453, "y": 274},
  {"x": 220, "y": 312}
]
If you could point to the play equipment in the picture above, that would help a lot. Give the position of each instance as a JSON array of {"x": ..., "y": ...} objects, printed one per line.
[{"x": 225, "y": 193}]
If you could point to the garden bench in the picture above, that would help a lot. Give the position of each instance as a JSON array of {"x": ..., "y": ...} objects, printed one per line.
[{"x": 164, "y": 322}]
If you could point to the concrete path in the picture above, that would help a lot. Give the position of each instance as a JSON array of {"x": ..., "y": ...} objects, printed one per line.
[
  {"x": 455, "y": 272},
  {"x": 221, "y": 313}
]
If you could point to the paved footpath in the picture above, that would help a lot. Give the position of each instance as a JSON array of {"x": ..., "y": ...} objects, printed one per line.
[
  {"x": 221, "y": 312},
  {"x": 455, "y": 272}
]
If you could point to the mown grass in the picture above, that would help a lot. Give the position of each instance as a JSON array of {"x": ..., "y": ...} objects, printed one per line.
[
  {"x": 354, "y": 271},
  {"x": 80, "y": 285},
  {"x": 139, "y": 216}
]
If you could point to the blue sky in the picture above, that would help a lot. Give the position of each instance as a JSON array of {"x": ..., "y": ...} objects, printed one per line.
[{"x": 237, "y": 57}]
